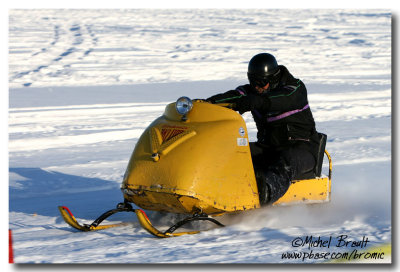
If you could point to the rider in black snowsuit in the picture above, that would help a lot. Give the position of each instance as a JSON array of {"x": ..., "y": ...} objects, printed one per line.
[{"x": 287, "y": 141}]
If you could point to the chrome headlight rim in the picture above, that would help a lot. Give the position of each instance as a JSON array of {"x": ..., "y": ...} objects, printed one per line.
[{"x": 183, "y": 105}]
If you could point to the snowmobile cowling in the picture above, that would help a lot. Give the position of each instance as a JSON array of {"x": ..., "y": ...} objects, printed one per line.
[{"x": 195, "y": 163}]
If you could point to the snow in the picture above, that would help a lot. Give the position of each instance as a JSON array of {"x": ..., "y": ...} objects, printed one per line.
[{"x": 84, "y": 84}]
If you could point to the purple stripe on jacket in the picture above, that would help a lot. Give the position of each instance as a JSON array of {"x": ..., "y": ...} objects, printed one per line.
[
  {"x": 240, "y": 90},
  {"x": 286, "y": 114}
]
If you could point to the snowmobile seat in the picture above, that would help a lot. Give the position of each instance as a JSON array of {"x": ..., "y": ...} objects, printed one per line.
[
  {"x": 311, "y": 187},
  {"x": 316, "y": 172}
]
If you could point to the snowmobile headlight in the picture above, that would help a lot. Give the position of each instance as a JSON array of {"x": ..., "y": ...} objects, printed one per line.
[{"x": 183, "y": 105}]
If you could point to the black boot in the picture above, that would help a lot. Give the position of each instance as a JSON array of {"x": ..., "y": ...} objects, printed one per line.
[{"x": 273, "y": 183}]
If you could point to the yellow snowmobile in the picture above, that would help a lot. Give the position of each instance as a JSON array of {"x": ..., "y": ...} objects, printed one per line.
[{"x": 195, "y": 160}]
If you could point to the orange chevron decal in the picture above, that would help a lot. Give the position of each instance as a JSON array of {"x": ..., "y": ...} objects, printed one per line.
[{"x": 168, "y": 132}]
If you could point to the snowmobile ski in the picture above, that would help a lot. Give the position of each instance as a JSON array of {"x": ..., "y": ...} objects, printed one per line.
[
  {"x": 70, "y": 219},
  {"x": 144, "y": 221},
  {"x": 147, "y": 225}
]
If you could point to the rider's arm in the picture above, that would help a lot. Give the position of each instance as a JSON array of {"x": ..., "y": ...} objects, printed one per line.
[{"x": 288, "y": 98}]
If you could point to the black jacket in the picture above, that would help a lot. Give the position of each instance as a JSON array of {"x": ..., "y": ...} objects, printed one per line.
[{"x": 282, "y": 114}]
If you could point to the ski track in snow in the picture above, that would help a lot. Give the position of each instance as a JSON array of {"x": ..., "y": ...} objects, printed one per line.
[
  {"x": 58, "y": 47},
  {"x": 78, "y": 106}
]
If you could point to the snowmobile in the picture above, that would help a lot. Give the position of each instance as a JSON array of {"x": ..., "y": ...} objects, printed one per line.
[{"x": 195, "y": 160}]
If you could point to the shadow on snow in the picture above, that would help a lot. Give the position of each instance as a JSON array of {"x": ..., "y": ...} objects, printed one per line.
[{"x": 37, "y": 191}]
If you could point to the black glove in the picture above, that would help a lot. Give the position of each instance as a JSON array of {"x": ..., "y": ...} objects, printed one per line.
[
  {"x": 243, "y": 104},
  {"x": 251, "y": 102}
]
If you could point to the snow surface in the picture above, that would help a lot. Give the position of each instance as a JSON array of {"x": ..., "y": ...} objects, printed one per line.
[{"x": 84, "y": 84}]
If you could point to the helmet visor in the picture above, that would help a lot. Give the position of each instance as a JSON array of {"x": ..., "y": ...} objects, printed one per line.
[{"x": 257, "y": 80}]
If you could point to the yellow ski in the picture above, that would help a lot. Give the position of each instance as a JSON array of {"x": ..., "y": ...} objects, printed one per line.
[
  {"x": 70, "y": 219},
  {"x": 146, "y": 224}
]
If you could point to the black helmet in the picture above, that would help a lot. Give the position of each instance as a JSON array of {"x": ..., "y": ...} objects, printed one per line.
[{"x": 263, "y": 69}]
